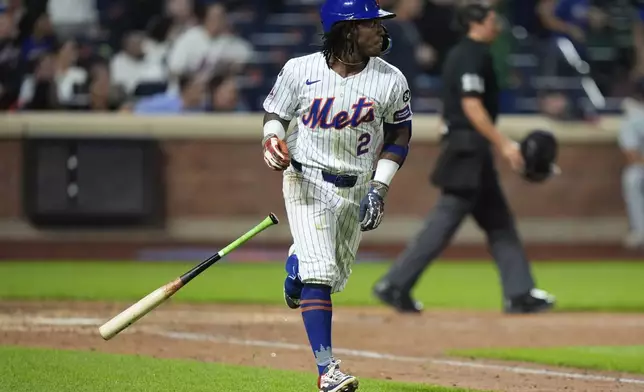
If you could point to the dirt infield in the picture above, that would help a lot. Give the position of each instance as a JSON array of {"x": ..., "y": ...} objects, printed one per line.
[{"x": 375, "y": 343}]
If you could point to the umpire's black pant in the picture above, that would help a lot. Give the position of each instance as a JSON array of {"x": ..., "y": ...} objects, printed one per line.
[{"x": 489, "y": 208}]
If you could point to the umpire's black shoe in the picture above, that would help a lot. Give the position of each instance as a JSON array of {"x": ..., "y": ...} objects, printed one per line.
[
  {"x": 534, "y": 301},
  {"x": 396, "y": 298}
]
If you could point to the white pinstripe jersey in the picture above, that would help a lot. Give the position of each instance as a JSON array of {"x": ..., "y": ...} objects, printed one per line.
[{"x": 339, "y": 120}]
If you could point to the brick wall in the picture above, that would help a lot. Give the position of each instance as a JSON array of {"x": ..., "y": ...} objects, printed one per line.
[
  {"x": 10, "y": 178},
  {"x": 216, "y": 178}
]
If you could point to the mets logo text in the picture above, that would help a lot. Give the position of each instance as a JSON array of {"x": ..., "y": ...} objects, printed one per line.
[{"x": 318, "y": 115}]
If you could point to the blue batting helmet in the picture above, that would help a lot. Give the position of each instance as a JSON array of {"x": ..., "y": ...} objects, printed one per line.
[{"x": 334, "y": 11}]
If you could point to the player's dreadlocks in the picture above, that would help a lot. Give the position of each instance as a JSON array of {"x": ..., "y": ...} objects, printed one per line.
[{"x": 341, "y": 40}]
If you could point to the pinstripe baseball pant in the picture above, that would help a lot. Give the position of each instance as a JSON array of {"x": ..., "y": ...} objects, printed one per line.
[{"x": 323, "y": 219}]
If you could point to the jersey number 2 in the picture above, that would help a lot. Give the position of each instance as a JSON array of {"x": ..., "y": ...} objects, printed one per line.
[{"x": 363, "y": 142}]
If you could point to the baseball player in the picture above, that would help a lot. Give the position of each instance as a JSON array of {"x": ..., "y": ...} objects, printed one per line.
[{"x": 353, "y": 114}]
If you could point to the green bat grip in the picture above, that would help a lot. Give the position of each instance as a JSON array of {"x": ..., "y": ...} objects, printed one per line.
[{"x": 263, "y": 225}]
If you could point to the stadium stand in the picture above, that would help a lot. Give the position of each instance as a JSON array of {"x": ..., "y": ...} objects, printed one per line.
[{"x": 145, "y": 43}]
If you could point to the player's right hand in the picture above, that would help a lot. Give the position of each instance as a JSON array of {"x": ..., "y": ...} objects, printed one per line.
[{"x": 276, "y": 153}]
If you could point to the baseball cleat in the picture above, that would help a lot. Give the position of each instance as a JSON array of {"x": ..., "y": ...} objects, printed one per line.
[
  {"x": 292, "y": 284},
  {"x": 534, "y": 301},
  {"x": 333, "y": 380},
  {"x": 633, "y": 240},
  {"x": 396, "y": 298},
  {"x": 291, "y": 302}
]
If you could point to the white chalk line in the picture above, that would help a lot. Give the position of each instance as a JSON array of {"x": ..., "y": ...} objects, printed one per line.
[
  {"x": 65, "y": 321},
  {"x": 394, "y": 358}
]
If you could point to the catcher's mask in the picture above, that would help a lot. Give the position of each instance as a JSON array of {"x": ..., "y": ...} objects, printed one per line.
[{"x": 539, "y": 149}]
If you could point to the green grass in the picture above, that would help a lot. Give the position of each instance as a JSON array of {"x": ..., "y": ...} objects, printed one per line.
[
  {"x": 35, "y": 370},
  {"x": 608, "y": 286},
  {"x": 628, "y": 359}
]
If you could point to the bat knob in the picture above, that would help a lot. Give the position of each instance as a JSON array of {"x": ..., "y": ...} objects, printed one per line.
[{"x": 274, "y": 218}]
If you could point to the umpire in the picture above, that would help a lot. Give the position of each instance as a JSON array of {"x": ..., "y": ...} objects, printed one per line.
[{"x": 466, "y": 175}]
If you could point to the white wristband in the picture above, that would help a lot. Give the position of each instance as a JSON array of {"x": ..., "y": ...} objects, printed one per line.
[
  {"x": 385, "y": 171},
  {"x": 274, "y": 127}
]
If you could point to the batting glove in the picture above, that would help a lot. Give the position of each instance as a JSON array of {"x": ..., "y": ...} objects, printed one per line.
[
  {"x": 372, "y": 206},
  {"x": 276, "y": 153}
]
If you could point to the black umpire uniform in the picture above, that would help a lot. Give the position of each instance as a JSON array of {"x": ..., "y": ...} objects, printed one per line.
[{"x": 466, "y": 174}]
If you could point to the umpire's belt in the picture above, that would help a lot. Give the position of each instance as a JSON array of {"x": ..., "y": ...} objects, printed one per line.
[{"x": 339, "y": 180}]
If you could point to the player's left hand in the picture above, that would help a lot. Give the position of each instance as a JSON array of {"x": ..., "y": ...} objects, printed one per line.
[{"x": 372, "y": 206}]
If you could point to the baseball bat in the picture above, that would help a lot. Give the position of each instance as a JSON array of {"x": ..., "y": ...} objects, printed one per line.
[{"x": 146, "y": 304}]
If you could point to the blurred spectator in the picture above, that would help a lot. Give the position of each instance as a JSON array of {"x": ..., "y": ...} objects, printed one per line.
[
  {"x": 566, "y": 18},
  {"x": 436, "y": 28},
  {"x": 102, "y": 96},
  {"x": 10, "y": 70},
  {"x": 71, "y": 18},
  {"x": 156, "y": 44},
  {"x": 225, "y": 95},
  {"x": 409, "y": 53},
  {"x": 42, "y": 93},
  {"x": 638, "y": 39},
  {"x": 140, "y": 12},
  {"x": 114, "y": 22},
  {"x": 41, "y": 40},
  {"x": 17, "y": 13},
  {"x": 631, "y": 142},
  {"x": 213, "y": 37},
  {"x": 117, "y": 17},
  {"x": 181, "y": 15},
  {"x": 131, "y": 66},
  {"x": 569, "y": 22},
  {"x": 68, "y": 79},
  {"x": 610, "y": 45},
  {"x": 209, "y": 47},
  {"x": 190, "y": 98},
  {"x": 525, "y": 14}
]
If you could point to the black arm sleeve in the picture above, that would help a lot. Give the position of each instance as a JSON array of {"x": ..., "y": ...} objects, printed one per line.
[{"x": 470, "y": 74}]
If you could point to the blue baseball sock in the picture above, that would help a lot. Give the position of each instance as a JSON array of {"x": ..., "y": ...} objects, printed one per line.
[{"x": 317, "y": 312}]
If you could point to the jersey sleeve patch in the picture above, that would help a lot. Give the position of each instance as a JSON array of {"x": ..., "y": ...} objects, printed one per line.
[
  {"x": 403, "y": 114},
  {"x": 472, "y": 83}
]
